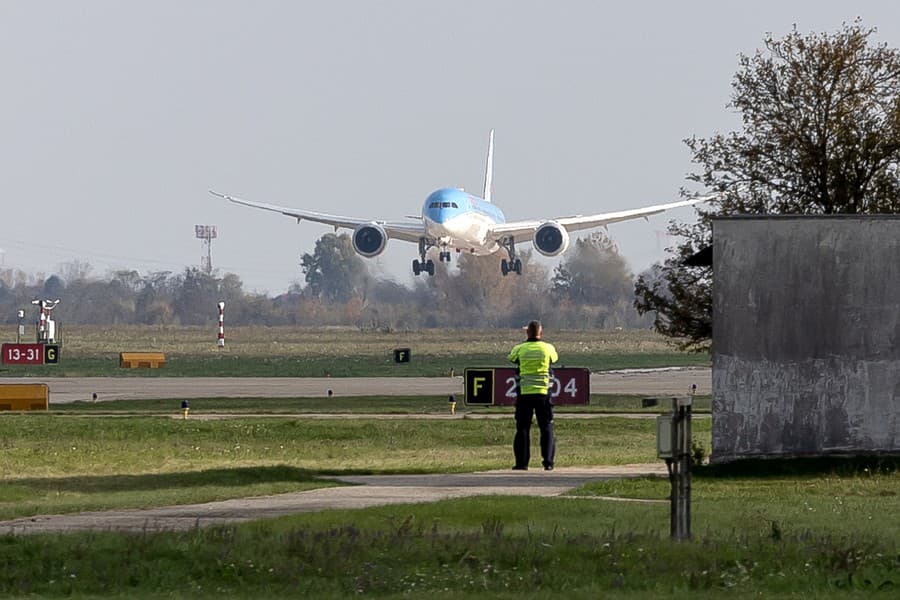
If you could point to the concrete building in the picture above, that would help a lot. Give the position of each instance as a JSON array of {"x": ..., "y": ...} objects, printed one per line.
[{"x": 806, "y": 336}]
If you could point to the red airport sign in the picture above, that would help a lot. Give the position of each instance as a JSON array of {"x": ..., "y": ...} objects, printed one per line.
[
  {"x": 496, "y": 386},
  {"x": 30, "y": 354}
]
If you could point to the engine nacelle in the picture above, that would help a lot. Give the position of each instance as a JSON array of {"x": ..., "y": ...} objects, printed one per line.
[
  {"x": 551, "y": 239},
  {"x": 369, "y": 239}
]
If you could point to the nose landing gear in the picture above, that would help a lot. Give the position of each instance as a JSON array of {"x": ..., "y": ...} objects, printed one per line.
[{"x": 510, "y": 266}]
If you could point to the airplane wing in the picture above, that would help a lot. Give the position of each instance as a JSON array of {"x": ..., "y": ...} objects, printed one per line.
[
  {"x": 409, "y": 231},
  {"x": 524, "y": 230}
]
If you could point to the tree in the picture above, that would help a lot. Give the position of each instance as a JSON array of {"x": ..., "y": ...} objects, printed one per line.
[
  {"x": 54, "y": 287},
  {"x": 488, "y": 299},
  {"x": 820, "y": 135},
  {"x": 593, "y": 282},
  {"x": 334, "y": 272},
  {"x": 153, "y": 305},
  {"x": 196, "y": 295}
]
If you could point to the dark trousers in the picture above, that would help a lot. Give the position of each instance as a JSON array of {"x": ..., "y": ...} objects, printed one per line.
[{"x": 526, "y": 406}]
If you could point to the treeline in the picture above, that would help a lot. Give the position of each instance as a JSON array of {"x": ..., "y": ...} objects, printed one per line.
[{"x": 591, "y": 288}]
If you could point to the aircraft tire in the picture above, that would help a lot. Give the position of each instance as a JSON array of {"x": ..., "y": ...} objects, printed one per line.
[
  {"x": 504, "y": 267},
  {"x": 518, "y": 267},
  {"x": 416, "y": 267},
  {"x": 429, "y": 267}
]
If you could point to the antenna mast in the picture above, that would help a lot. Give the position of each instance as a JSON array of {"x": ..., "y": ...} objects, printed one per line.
[{"x": 206, "y": 233}]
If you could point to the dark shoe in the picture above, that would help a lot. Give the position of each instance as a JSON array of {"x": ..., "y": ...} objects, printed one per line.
[
  {"x": 548, "y": 467},
  {"x": 519, "y": 468}
]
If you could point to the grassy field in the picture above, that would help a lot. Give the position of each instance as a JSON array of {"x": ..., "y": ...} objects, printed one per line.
[
  {"x": 774, "y": 529},
  {"x": 66, "y": 464},
  {"x": 339, "y": 352},
  {"x": 823, "y": 531}
]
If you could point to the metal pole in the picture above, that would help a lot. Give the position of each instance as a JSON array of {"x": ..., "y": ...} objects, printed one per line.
[
  {"x": 687, "y": 471},
  {"x": 682, "y": 494},
  {"x": 674, "y": 475}
]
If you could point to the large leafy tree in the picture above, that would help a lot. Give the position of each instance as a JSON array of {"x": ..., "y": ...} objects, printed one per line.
[
  {"x": 593, "y": 272},
  {"x": 592, "y": 284},
  {"x": 334, "y": 271},
  {"x": 820, "y": 135}
]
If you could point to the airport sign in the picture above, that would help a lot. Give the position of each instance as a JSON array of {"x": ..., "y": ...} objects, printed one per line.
[
  {"x": 497, "y": 386},
  {"x": 30, "y": 354}
]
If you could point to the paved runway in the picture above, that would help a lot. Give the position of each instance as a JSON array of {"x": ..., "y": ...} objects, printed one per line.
[{"x": 649, "y": 382}]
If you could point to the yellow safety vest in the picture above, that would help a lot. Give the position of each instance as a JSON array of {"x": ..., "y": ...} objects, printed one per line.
[{"x": 534, "y": 358}]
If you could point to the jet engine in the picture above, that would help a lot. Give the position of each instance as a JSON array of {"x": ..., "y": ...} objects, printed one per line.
[
  {"x": 551, "y": 239},
  {"x": 369, "y": 239}
]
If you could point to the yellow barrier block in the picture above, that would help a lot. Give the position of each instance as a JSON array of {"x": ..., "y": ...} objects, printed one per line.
[
  {"x": 24, "y": 396},
  {"x": 147, "y": 360}
]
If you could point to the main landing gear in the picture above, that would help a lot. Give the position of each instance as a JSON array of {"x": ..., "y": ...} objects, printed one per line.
[
  {"x": 425, "y": 266},
  {"x": 513, "y": 265}
]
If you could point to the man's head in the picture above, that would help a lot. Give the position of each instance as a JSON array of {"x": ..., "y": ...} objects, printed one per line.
[{"x": 534, "y": 330}]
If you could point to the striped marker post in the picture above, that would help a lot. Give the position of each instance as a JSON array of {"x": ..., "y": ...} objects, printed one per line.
[
  {"x": 45, "y": 328},
  {"x": 42, "y": 324},
  {"x": 220, "y": 342}
]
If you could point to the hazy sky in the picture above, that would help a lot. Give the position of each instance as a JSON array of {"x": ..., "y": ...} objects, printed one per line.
[{"x": 117, "y": 117}]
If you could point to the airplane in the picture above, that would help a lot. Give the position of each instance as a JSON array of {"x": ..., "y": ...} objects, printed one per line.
[{"x": 453, "y": 219}]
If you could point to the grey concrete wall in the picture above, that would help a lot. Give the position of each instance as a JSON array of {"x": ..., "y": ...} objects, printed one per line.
[{"x": 806, "y": 336}]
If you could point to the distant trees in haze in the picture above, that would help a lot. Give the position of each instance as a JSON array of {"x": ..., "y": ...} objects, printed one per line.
[
  {"x": 591, "y": 288},
  {"x": 593, "y": 284}
]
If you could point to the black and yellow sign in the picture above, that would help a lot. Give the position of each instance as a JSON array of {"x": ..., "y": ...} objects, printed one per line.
[
  {"x": 51, "y": 354},
  {"x": 479, "y": 386},
  {"x": 402, "y": 355}
]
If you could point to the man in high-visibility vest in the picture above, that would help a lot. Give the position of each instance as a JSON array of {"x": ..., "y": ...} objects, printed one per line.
[{"x": 534, "y": 357}]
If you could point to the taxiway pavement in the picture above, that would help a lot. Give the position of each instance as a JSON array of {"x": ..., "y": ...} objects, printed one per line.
[{"x": 649, "y": 382}]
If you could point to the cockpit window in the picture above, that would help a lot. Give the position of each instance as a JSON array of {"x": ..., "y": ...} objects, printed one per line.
[
  {"x": 449, "y": 205},
  {"x": 434, "y": 205}
]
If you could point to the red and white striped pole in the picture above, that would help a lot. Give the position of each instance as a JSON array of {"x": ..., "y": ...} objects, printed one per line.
[
  {"x": 221, "y": 341},
  {"x": 42, "y": 320},
  {"x": 42, "y": 323}
]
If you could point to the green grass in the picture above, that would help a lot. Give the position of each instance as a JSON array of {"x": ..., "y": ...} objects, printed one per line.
[
  {"x": 500, "y": 547},
  {"x": 63, "y": 464},
  {"x": 348, "y": 365},
  {"x": 339, "y": 352},
  {"x": 798, "y": 529}
]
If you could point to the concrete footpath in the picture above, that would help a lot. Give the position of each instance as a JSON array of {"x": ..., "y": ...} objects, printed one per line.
[{"x": 369, "y": 490}]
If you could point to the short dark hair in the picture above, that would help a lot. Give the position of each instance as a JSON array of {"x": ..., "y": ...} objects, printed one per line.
[{"x": 534, "y": 327}]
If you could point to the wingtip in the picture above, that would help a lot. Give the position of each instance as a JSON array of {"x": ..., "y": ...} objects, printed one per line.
[{"x": 221, "y": 195}]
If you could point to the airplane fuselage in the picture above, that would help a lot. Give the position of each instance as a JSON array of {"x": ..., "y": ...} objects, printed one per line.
[{"x": 456, "y": 219}]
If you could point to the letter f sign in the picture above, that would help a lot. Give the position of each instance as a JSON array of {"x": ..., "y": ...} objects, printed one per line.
[{"x": 479, "y": 386}]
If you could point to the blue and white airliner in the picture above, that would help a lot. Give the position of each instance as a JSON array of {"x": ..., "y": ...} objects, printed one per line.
[{"x": 453, "y": 219}]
